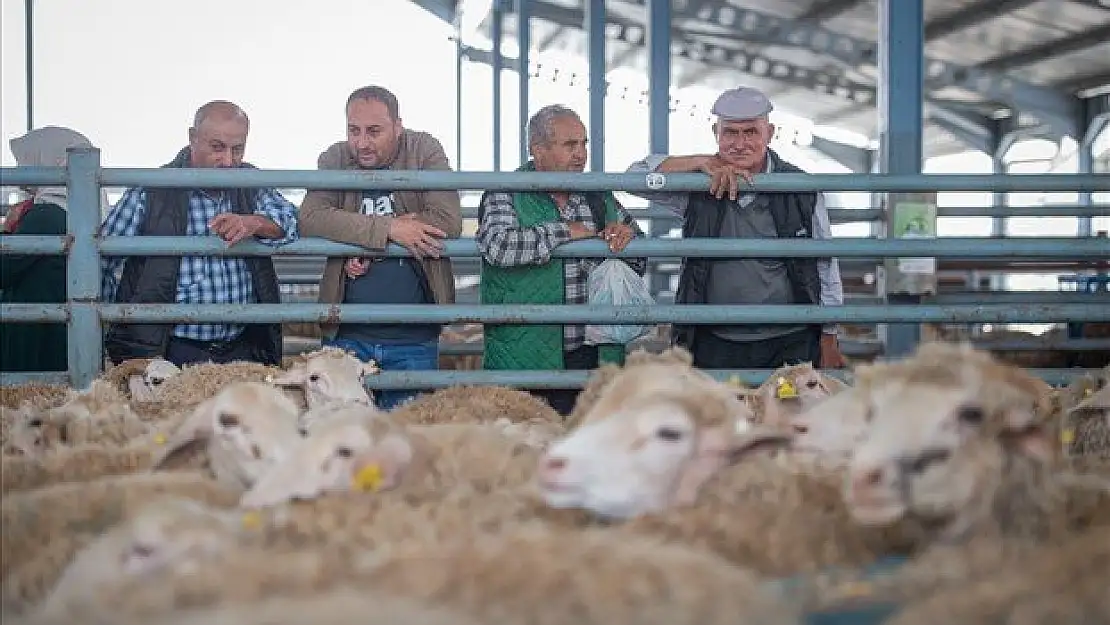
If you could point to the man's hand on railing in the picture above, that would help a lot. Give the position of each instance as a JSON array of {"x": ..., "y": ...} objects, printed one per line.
[
  {"x": 724, "y": 178},
  {"x": 617, "y": 236},
  {"x": 416, "y": 236},
  {"x": 578, "y": 230},
  {"x": 234, "y": 228},
  {"x": 831, "y": 356},
  {"x": 355, "y": 267}
]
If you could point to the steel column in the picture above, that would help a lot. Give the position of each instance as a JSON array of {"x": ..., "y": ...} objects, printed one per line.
[
  {"x": 524, "y": 40},
  {"x": 458, "y": 93},
  {"x": 498, "y": 27},
  {"x": 29, "y": 25},
  {"x": 83, "y": 267},
  {"x": 595, "y": 36},
  {"x": 659, "y": 103},
  {"x": 901, "y": 102}
]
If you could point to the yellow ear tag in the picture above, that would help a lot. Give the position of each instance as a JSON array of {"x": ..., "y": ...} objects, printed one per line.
[
  {"x": 735, "y": 381},
  {"x": 785, "y": 389},
  {"x": 1067, "y": 436},
  {"x": 1087, "y": 392},
  {"x": 252, "y": 520},
  {"x": 856, "y": 589},
  {"x": 368, "y": 479},
  {"x": 159, "y": 439}
]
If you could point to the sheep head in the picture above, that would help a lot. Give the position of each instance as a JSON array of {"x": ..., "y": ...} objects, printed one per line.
[
  {"x": 357, "y": 448},
  {"x": 938, "y": 424},
  {"x": 329, "y": 374},
  {"x": 656, "y": 434},
  {"x": 168, "y": 532},
  {"x": 247, "y": 426},
  {"x": 826, "y": 431}
]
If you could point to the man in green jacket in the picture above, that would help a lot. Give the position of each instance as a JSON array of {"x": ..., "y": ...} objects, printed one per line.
[{"x": 516, "y": 235}]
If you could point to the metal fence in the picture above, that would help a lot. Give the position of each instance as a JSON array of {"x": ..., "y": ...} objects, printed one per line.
[{"x": 84, "y": 314}]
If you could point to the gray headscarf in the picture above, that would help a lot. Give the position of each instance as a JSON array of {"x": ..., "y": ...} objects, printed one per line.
[{"x": 46, "y": 147}]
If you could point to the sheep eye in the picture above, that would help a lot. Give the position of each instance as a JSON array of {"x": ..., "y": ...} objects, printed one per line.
[
  {"x": 141, "y": 551},
  {"x": 812, "y": 384},
  {"x": 923, "y": 461},
  {"x": 315, "y": 377},
  {"x": 344, "y": 452},
  {"x": 669, "y": 434},
  {"x": 228, "y": 420},
  {"x": 971, "y": 415},
  {"x": 155, "y": 381},
  {"x": 35, "y": 423}
]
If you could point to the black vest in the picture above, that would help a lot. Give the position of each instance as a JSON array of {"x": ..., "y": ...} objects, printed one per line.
[
  {"x": 793, "y": 215},
  {"x": 153, "y": 279}
]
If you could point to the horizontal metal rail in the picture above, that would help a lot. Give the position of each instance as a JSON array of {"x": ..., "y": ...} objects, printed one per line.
[
  {"x": 398, "y": 180},
  {"x": 566, "y": 314},
  {"x": 841, "y": 247},
  {"x": 402, "y": 380},
  {"x": 856, "y": 215}
]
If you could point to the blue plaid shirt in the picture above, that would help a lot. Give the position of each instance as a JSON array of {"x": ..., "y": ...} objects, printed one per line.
[{"x": 201, "y": 279}]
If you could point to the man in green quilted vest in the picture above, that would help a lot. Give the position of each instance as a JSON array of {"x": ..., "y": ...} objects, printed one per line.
[{"x": 516, "y": 235}]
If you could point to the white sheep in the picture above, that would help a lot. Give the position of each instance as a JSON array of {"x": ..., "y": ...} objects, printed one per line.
[
  {"x": 148, "y": 386},
  {"x": 329, "y": 374},
  {"x": 75, "y": 512},
  {"x": 682, "y": 460},
  {"x": 954, "y": 439},
  {"x": 246, "y": 428},
  {"x": 355, "y": 448},
  {"x": 165, "y": 532}
]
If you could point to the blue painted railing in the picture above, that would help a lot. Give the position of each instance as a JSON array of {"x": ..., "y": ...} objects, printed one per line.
[{"x": 84, "y": 314}]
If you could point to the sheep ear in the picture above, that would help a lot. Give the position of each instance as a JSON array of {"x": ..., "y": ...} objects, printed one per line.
[
  {"x": 138, "y": 389},
  {"x": 188, "y": 436},
  {"x": 720, "y": 447},
  {"x": 1025, "y": 433},
  {"x": 395, "y": 455},
  {"x": 294, "y": 376}
]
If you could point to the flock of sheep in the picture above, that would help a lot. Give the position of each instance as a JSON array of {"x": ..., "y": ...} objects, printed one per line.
[{"x": 254, "y": 495}]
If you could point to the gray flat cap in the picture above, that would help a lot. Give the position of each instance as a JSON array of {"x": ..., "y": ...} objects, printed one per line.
[{"x": 741, "y": 103}]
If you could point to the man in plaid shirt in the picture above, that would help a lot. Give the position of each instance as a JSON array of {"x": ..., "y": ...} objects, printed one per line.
[
  {"x": 217, "y": 139},
  {"x": 516, "y": 235}
]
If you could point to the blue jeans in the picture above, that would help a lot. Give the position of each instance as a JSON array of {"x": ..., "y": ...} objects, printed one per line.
[{"x": 392, "y": 357}]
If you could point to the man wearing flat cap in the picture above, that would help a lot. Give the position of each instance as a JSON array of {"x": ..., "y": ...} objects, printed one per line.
[{"x": 743, "y": 132}]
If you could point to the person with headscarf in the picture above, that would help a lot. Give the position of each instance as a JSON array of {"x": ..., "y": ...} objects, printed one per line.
[{"x": 37, "y": 279}]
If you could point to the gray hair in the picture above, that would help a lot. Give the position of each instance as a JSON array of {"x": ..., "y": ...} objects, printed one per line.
[
  {"x": 539, "y": 125},
  {"x": 224, "y": 108}
]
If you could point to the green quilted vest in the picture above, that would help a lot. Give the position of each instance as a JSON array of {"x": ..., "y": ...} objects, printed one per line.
[{"x": 532, "y": 347}]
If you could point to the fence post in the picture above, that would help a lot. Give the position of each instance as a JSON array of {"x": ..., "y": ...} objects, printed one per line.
[{"x": 83, "y": 266}]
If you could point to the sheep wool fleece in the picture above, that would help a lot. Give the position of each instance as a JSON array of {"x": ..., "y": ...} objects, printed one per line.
[{"x": 531, "y": 347}]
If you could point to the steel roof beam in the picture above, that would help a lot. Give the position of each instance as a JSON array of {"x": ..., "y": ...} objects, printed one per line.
[
  {"x": 1049, "y": 49},
  {"x": 971, "y": 16}
]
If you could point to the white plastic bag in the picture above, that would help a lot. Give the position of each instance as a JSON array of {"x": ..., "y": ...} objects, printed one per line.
[{"x": 614, "y": 283}]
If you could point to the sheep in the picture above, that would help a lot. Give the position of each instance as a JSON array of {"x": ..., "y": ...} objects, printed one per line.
[
  {"x": 1086, "y": 426},
  {"x": 530, "y": 575},
  {"x": 954, "y": 439},
  {"x": 475, "y": 404},
  {"x": 74, "y": 512},
  {"x": 198, "y": 382},
  {"x": 1056, "y": 584},
  {"x": 80, "y": 463},
  {"x": 99, "y": 414},
  {"x": 165, "y": 531},
  {"x": 796, "y": 387},
  {"x": 40, "y": 396},
  {"x": 246, "y": 427},
  {"x": 328, "y": 374},
  {"x": 539, "y": 576},
  {"x": 141, "y": 378},
  {"x": 661, "y": 456},
  {"x": 599, "y": 378},
  {"x": 338, "y": 607},
  {"x": 825, "y": 433},
  {"x": 414, "y": 459}
]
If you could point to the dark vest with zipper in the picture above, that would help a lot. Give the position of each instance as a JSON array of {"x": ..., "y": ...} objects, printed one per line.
[
  {"x": 793, "y": 216},
  {"x": 153, "y": 279}
]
